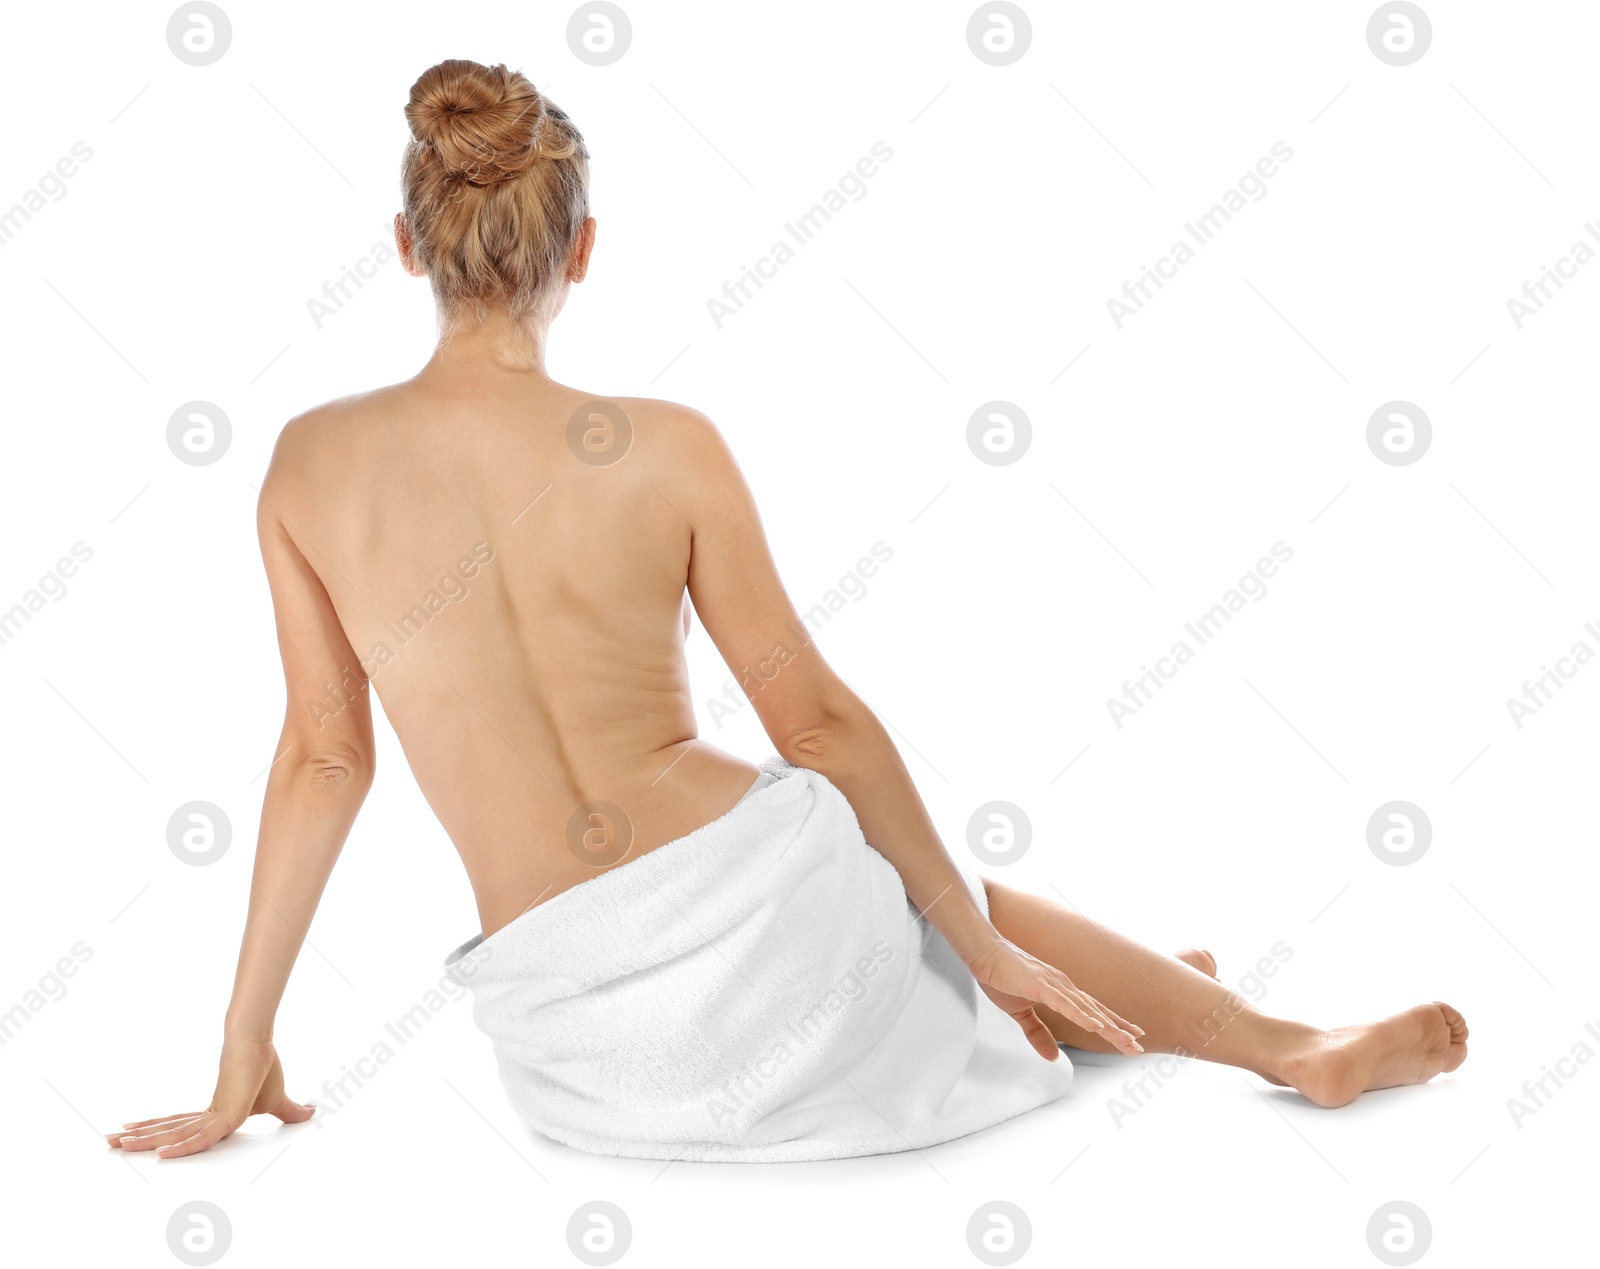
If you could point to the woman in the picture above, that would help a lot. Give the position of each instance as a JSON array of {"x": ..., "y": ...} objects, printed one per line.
[{"x": 544, "y": 708}]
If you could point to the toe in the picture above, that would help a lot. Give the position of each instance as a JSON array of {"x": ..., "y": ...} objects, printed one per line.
[
  {"x": 1456, "y": 1053},
  {"x": 1199, "y": 958}
]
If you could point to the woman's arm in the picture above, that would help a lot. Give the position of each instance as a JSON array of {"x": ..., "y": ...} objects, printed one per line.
[
  {"x": 322, "y": 769},
  {"x": 815, "y": 720}
]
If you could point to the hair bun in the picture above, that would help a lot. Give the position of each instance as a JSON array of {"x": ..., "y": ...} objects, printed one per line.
[
  {"x": 483, "y": 122},
  {"x": 496, "y": 188}
]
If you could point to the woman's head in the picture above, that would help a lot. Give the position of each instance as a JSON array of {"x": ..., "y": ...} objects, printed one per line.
[{"x": 496, "y": 188}]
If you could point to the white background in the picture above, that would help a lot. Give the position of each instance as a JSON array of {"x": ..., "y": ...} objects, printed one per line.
[{"x": 1230, "y": 414}]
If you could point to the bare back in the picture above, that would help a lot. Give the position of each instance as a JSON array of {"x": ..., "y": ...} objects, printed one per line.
[{"x": 517, "y": 597}]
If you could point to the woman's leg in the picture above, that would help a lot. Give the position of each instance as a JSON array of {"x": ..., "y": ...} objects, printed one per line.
[{"x": 1184, "y": 1011}]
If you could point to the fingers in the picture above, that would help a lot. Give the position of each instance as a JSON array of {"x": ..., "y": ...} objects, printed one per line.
[
  {"x": 1116, "y": 1019},
  {"x": 174, "y": 1135},
  {"x": 162, "y": 1119},
  {"x": 1097, "y": 1009},
  {"x": 1111, "y": 1015},
  {"x": 147, "y": 1127},
  {"x": 1038, "y": 1034},
  {"x": 207, "y": 1137},
  {"x": 1089, "y": 1013},
  {"x": 1082, "y": 1009},
  {"x": 1099, "y": 1016},
  {"x": 1044, "y": 984},
  {"x": 292, "y": 1112},
  {"x": 1119, "y": 1034},
  {"x": 155, "y": 1137}
]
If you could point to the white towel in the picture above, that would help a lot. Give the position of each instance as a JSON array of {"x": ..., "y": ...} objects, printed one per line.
[{"x": 759, "y": 990}]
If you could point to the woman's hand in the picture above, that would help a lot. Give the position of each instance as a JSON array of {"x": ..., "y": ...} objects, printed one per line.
[
  {"x": 1017, "y": 982},
  {"x": 250, "y": 1082}
]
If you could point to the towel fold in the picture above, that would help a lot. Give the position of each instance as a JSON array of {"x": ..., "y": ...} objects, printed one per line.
[{"x": 759, "y": 990}]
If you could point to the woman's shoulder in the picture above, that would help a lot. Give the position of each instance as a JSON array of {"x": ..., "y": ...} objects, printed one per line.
[
  {"x": 672, "y": 430},
  {"x": 345, "y": 418},
  {"x": 321, "y": 437},
  {"x": 666, "y": 415},
  {"x": 344, "y": 412}
]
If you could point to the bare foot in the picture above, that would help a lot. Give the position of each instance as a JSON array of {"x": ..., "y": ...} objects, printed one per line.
[
  {"x": 1409, "y": 1048},
  {"x": 1200, "y": 959}
]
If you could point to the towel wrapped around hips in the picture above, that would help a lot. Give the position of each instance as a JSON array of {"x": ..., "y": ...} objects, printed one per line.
[{"x": 759, "y": 990}]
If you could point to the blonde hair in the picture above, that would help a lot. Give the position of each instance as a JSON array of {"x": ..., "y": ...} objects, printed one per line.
[{"x": 496, "y": 189}]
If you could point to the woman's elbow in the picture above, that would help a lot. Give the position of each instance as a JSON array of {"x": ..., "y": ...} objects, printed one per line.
[
  {"x": 809, "y": 745},
  {"x": 826, "y": 737},
  {"x": 335, "y": 768}
]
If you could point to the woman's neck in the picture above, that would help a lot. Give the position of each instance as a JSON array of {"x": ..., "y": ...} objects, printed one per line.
[{"x": 496, "y": 343}]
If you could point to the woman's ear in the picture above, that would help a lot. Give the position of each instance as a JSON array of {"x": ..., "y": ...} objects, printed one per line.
[
  {"x": 402, "y": 241},
  {"x": 578, "y": 258}
]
